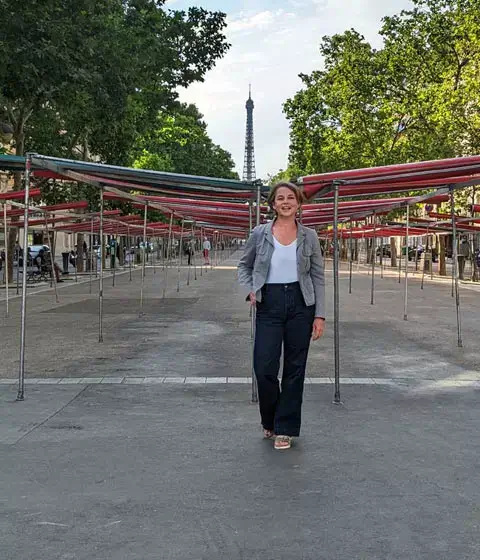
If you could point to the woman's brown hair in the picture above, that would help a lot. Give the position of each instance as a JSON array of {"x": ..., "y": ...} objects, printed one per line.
[{"x": 296, "y": 191}]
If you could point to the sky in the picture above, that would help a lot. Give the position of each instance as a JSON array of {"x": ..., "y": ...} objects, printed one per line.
[{"x": 272, "y": 43}]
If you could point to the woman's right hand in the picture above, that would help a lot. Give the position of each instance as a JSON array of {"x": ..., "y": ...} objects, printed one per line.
[{"x": 253, "y": 298}]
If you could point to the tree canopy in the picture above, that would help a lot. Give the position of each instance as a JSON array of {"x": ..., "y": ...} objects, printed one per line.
[
  {"x": 85, "y": 78},
  {"x": 178, "y": 142},
  {"x": 416, "y": 98}
]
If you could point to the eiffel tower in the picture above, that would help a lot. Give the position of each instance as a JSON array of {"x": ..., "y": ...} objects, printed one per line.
[{"x": 249, "y": 173}]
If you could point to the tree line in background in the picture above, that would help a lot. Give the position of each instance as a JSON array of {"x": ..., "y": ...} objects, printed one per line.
[
  {"x": 416, "y": 98},
  {"x": 97, "y": 80}
]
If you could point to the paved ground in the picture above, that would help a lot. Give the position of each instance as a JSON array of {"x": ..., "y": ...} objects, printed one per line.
[{"x": 135, "y": 459}]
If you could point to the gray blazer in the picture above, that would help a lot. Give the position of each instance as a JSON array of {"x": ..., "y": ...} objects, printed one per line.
[{"x": 255, "y": 262}]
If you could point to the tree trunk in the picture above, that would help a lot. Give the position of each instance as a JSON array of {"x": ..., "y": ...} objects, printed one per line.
[
  {"x": 393, "y": 252},
  {"x": 19, "y": 137},
  {"x": 442, "y": 262}
]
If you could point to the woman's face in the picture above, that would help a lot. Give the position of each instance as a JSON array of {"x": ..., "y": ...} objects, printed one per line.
[{"x": 285, "y": 203}]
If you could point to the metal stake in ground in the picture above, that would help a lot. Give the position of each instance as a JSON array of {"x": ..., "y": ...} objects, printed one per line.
[
  {"x": 21, "y": 372},
  {"x": 5, "y": 234},
  {"x": 145, "y": 214},
  {"x": 100, "y": 290},
  {"x": 455, "y": 268},
  {"x": 405, "y": 308},
  {"x": 336, "y": 297}
]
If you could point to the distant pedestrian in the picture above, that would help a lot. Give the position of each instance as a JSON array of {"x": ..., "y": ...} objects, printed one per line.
[
  {"x": 207, "y": 247},
  {"x": 463, "y": 255},
  {"x": 282, "y": 267},
  {"x": 190, "y": 250}
]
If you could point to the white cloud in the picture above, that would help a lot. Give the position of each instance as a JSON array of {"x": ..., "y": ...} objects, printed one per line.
[
  {"x": 260, "y": 21},
  {"x": 269, "y": 49}
]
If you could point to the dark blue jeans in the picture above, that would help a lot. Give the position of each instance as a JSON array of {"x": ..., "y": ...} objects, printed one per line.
[{"x": 282, "y": 317}]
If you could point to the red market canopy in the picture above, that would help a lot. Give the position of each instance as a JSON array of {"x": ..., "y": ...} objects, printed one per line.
[{"x": 395, "y": 178}]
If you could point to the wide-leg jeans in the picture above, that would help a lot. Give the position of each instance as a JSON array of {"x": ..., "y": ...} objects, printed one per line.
[{"x": 282, "y": 318}]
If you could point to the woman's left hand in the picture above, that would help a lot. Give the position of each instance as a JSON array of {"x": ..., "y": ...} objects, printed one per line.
[{"x": 318, "y": 328}]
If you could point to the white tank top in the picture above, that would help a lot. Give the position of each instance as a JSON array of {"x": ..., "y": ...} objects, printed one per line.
[{"x": 283, "y": 266}]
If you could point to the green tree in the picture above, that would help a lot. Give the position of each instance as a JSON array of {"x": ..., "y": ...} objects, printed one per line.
[
  {"x": 88, "y": 76},
  {"x": 178, "y": 141},
  {"x": 416, "y": 98}
]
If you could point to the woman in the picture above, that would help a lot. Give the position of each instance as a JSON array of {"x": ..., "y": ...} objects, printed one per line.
[{"x": 282, "y": 267}]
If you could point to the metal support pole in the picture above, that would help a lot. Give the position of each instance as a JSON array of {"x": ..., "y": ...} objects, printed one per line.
[
  {"x": 216, "y": 239},
  {"x": 432, "y": 237},
  {"x": 203, "y": 256},
  {"x": 400, "y": 263},
  {"x": 154, "y": 260},
  {"x": 250, "y": 217},
  {"x": 130, "y": 256},
  {"x": 405, "y": 308},
  {"x": 191, "y": 249},
  {"x": 193, "y": 256},
  {"x": 100, "y": 290},
  {"x": 18, "y": 267},
  {"x": 91, "y": 258},
  {"x": 114, "y": 259},
  {"x": 180, "y": 255},
  {"x": 455, "y": 268},
  {"x": 21, "y": 372},
  {"x": 76, "y": 263},
  {"x": 169, "y": 246},
  {"x": 424, "y": 259},
  {"x": 381, "y": 258},
  {"x": 374, "y": 258},
  {"x": 213, "y": 250},
  {"x": 5, "y": 233},
  {"x": 416, "y": 254},
  {"x": 259, "y": 203},
  {"x": 145, "y": 214},
  {"x": 336, "y": 297},
  {"x": 53, "y": 277},
  {"x": 351, "y": 259},
  {"x": 359, "y": 251}
]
